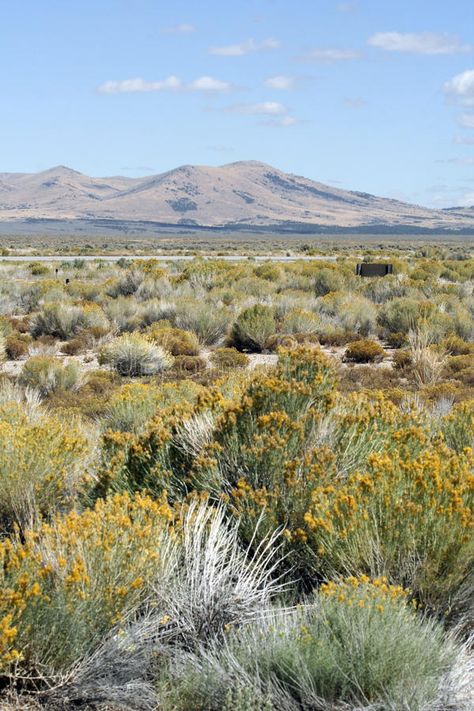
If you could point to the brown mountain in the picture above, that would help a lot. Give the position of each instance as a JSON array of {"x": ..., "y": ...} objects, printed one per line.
[{"x": 238, "y": 195}]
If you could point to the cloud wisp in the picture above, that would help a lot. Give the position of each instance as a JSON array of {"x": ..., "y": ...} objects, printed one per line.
[
  {"x": 419, "y": 43},
  {"x": 281, "y": 82},
  {"x": 281, "y": 122},
  {"x": 184, "y": 28},
  {"x": 243, "y": 48},
  {"x": 171, "y": 83},
  {"x": 331, "y": 55},
  {"x": 264, "y": 108}
]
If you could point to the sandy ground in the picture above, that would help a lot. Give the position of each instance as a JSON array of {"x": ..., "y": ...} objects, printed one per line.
[{"x": 89, "y": 361}]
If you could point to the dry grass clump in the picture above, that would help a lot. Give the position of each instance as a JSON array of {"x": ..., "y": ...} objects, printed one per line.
[{"x": 427, "y": 363}]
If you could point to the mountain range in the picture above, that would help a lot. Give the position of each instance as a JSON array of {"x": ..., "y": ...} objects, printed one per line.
[{"x": 246, "y": 195}]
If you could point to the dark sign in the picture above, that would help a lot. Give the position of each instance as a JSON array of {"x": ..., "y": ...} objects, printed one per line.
[{"x": 373, "y": 270}]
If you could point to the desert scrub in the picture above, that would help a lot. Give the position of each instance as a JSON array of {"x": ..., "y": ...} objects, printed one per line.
[
  {"x": 135, "y": 355},
  {"x": 401, "y": 314},
  {"x": 271, "y": 421},
  {"x": 48, "y": 375},
  {"x": 174, "y": 340},
  {"x": 364, "y": 352},
  {"x": 357, "y": 644},
  {"x": 300, "y": 321},
  {"x": 209, "y": 321},
  {"x": 17, "y": 345},
  {"x": 409, "y": 518},
  {"x": 66, "y": 320},
  {"x": 228, "y": 359},
  {"x": 328, "y": 279},
  {"x": 68, "y": 582},
  {"x": 365, "y": 488},
  {"x": 349, "y": 312},
  {"x": 402, "y": 360},
  {"x": 133, "y": 405},
  {"x": 43, "y": 464},
  {"x": 457, "y": 427},
  {"x": 185, "y": 365},
  {"x": 252, "y": 328}
]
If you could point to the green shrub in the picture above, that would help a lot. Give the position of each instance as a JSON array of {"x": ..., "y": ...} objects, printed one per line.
[
  {"x": 228, "y": 359},
  {"x": 364, "y": 352},
  {"x": 349, "y": 312},
  {"x": 400, "y": 315},
  {"x": 38, "y": 269},
  {"x": 300, "y": 321},
  {"x": 48, "y": 375},
  {"x": 209, "y": 322},
  {"x": 134, "y": 355},
  {"x": 252, "y": 328},
  {"x": 328, "y": 280},
  {"x": 174, "y": 340}
]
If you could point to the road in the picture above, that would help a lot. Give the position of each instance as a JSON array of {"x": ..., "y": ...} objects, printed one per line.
[{"x": 167, "y": 258}]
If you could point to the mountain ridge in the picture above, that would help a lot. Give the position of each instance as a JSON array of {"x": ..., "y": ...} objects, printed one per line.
[{"x": 237, "y": 195}]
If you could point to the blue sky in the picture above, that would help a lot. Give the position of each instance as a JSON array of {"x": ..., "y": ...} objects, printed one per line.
[{"x": 372, "y": 95}]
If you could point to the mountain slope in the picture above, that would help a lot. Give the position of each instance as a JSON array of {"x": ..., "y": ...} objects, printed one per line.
[{"x": 246, "y": 193}]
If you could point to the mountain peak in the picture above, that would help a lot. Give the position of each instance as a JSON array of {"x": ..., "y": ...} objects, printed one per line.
[{"x": 246, "y": 194}]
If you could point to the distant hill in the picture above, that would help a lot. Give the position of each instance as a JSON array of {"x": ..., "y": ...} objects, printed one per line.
[{"x": 242, "y": 195}]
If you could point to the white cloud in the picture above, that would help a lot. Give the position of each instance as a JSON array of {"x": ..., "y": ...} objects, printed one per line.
[
  {"x": 247, "y": 47},
  {"x": 182, "y": 29},
  {"x": 208, "y": 84},
  {"x": 466, "y": 120},
  {"x": 172, "y": 83},
  {"x": 418, "y": 43},
  {"x": 265, "y": 108},
  {"x": 461, "y": 87},
  {"x": 280, "y": 82},
  {"x": 331, "y": 54},
  {"x": 125, "y": 86}
]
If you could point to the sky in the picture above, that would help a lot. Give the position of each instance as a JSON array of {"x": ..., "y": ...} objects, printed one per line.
[{"x": 370, "y": 95}]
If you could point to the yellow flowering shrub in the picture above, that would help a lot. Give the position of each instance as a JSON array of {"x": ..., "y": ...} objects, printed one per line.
[
  {"x": 67, "y": 582},
  {"x": 272, "y": 420},
  {"x": 44, "y": 462},
  {"x": 384, "y": 495}
]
